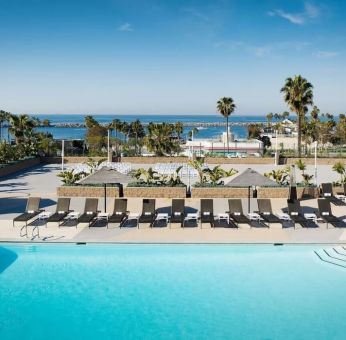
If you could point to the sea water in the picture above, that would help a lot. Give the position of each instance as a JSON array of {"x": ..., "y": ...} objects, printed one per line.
[
  {"x": 204, "y": 132},
  {"x": 169, "y": 292}
]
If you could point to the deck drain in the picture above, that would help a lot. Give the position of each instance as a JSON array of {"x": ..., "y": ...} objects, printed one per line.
[
  {"x": 278, "y": 244},
  {"x": 81, "y": 243}
]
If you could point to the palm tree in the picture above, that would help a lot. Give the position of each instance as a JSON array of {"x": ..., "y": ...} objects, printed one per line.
[
  {"x": 21, "y": 126},
  {"x": 226, "y": 107},
  {"x": 269, "y": 117},
  {"x": 2, "y": 120},
  {"x": 315, "y": 112},
  {"x": 136, "y": 130},
  {"x": 160, "y": 139},
  {"x": 125, "y": 128},
  {"x": 179, "y": 128},
  {"x": 90, "y": 121},
  {"x": 298, "y": 95}
]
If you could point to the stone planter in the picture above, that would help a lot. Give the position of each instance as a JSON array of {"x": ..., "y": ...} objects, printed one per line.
[
  {"x": 219, "y": 192},
  {"x": 20, "y": 166},
  {"x": 155, "y": 192},
  {"x": 284, "y": 192},
  {"x": 84, "y": 191}
]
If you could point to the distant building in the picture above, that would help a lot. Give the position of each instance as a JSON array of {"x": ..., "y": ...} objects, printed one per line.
[{"x": 218, "y": 146}]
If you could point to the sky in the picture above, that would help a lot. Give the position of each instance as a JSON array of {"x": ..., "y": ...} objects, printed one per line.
[{"x": 168, "y": 57}]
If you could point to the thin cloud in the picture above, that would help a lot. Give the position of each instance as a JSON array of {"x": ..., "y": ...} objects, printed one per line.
[
  {"x": 310, "y": 12},
  {"x": 126, "y": 27},
  {"x": 326, "y": 54},
  {"x": 195, "y": 13},
  {"x": 274, "y": 49}
]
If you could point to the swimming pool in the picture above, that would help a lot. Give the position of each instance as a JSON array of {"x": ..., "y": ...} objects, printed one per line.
[{"x": 169, "y": 292}]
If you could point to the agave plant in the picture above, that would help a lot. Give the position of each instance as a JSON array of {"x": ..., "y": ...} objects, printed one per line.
[
  {"x": 339, "y": 167},
  {"x": 69, "y": 177}
]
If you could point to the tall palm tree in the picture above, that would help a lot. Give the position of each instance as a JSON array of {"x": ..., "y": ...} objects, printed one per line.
[
  {"x": 226, "y": 107},
  {"x": 90, "y": 121},
  {"x": 125, "y": 129},
  {"x": 298, "y": 95},
  {"x": 2, "y": 121},
  {"x": 136, "y": 130},
  {"x": 116, "y": 124},
  {"x": 179, "y": 129},
  {"x": 269, "y": 117}
]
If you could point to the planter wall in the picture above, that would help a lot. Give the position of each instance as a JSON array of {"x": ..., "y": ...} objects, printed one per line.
[
  {"x": 284, "y": 192},
  {"x": 20, "y": 166},
  {"x": 155, "y": 192},
  {"x": 209, "y": 160},
  {"x": 221, "y": 192},
  {"x": 84, "y": 191},
  {"x": 227, "y": 192}
]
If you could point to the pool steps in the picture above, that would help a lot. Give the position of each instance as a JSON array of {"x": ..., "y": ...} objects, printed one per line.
[{"x": 335, "y": 256}]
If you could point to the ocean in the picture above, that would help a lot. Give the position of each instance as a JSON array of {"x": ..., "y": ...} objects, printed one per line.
[{"x": 203, "y": 132}]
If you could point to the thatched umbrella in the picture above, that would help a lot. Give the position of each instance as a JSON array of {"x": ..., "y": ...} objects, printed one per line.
[{"x": 103, "y": 177}]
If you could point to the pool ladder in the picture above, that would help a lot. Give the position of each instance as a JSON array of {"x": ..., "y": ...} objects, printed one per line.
[{"x": 335, "y": 256}]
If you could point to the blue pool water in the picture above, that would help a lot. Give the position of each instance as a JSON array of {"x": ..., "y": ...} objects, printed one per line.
[{"x": 169, "y": 292}]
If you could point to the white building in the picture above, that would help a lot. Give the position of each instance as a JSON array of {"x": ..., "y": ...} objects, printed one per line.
[{"x": 237, "y": 148}]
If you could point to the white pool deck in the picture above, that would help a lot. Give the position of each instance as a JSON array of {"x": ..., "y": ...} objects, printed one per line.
[{"x": 42, "y": 182}]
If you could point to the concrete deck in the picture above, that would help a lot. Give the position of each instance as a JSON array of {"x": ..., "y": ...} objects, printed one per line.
[
  {"x": 176, "y": 234},
  {"x": 42, "y": 181}
]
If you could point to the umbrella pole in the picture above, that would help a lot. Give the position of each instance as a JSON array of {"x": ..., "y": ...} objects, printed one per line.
[
  {"x": 105, "y": 196},
  {"x": 248, "y": 199}
]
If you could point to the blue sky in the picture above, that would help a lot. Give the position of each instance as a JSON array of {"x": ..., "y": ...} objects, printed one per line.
[{"x": 155, "y": 56}]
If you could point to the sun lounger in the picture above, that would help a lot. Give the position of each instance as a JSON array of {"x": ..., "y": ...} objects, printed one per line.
[
  {"x": 178, "y": 211},
  {"x": 90, "y": 211},
  {"x": 296, "y": 215},
  {"x": 265, "y": 211},
  {"x": 327, "y": 193},
  {"x": 119, "y": 212},
  {"x": 207, "y": 211},
  {"x": 326, "y": 214},
  {"x": 237, "y": 215},
  {"x": 62, "y": 210},
  {"x": 31, "y": 210},
  {"x": 148, "y": 212}
]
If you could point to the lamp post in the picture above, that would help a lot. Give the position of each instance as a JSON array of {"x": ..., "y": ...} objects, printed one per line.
[
  {"x": 316, "y": 163},
  {"x": 108, "y": 148},
  {"x": 276, "y": 148},
  {"x": 62, "y": 154}
]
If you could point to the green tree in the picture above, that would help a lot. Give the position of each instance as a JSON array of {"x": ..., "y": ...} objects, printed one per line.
[
  {"x": 226, "y": 107},
  {"x": 298, "y": 95}
]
